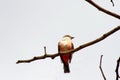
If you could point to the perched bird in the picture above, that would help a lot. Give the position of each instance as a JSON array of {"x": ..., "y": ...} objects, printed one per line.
[{"x": 64, "y": 45}]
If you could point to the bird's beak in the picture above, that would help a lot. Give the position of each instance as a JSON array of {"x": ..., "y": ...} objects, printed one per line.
[{"x": 72, "y": 37}]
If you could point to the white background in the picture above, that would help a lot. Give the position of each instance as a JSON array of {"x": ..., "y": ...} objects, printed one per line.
[{"x": 26, "y": 26}]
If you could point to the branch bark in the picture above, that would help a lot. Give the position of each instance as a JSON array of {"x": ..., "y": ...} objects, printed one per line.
[
  {"x": 103, "y": 10},
  {"x": 100, "y": 66},
  {"x": 117, "y": 69},
  {"x": 72, "y": 51}
]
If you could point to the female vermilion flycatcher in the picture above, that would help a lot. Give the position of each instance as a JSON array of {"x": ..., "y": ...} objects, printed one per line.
[{"x": 65, "y": 44}]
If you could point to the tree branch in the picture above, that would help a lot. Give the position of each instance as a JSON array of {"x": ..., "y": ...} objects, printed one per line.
[
  {"x": 52, "y": 56},
  {"x": 103, "y": 10},
  {"x": 72, "y": 51},
  {"x": 100, "y": 66},
  {"x": 96, "y": 40},
  {"x": 117, "y": 69}
]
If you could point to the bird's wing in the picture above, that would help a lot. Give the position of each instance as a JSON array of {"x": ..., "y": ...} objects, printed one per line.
[
  {"x": 58, "y": 46},
  {"x": 71, "y": 54}
]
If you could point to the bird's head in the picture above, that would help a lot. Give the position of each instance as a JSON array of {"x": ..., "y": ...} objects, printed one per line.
[{"x": 69, "y": 36}]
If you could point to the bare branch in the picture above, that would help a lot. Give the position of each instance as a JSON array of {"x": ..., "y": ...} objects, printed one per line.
[
  {"x": 96, "y": 40},
  {"x": 103, "y": 10},
  {"x": 100, "y": 66},
  {"x": 117, "y": 69},
  {"x": 38, "y": 58},
  {"x": 72, "y": 51}
]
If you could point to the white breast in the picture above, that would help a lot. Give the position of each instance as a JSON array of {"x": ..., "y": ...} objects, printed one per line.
[{"x": 65, "y": 42}]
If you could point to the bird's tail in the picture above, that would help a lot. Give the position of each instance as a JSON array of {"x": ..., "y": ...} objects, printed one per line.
[{"x": 66, "y": 68}]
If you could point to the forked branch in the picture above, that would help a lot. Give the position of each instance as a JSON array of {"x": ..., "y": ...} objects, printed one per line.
[
  {"x": 72, "y": 51},
  {"x": 103, "y": 10},
  {"x": 52, "y": 56}
]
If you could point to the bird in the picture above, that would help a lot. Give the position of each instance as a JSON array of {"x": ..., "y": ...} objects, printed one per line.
[{"x": 64, "y": 45}]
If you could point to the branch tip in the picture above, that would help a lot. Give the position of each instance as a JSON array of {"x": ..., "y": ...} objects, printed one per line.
[
  {"x": 112, "y": 3},
  {"x": 45, "y": 50}
]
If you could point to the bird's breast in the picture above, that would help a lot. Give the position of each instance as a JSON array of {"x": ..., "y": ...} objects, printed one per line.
[{"x": 65, "y": 46}]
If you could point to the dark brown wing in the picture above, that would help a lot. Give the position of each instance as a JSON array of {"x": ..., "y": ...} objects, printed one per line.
[
  {"x": 71, "y": 54},
  {"x": 59, "y": 50},
  {"x": 58, "y": 47}
]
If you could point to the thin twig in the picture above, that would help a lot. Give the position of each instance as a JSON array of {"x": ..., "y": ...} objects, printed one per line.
[
  {"x": 103, "y": 10},
  {"x": 45, "y": 50},
  {"x": 74, "y": 50},
  {"x": 117, "y": 69},
  {"x": 112, "y": 2},
  {"x": 100, "y": 66}
]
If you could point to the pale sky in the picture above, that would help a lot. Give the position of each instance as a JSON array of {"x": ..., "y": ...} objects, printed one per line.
[{"x": 26, "y": 26}]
